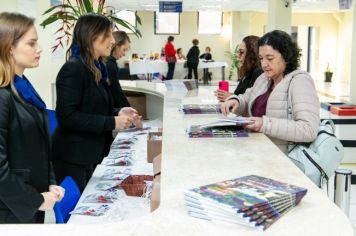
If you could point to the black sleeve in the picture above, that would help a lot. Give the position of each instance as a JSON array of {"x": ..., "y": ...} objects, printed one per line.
[
  {"x": 118, "y": 95},
  {"x": 20, "y": 198},
  {"x": 248, "y": 82},
  {"x": 70, "y": 88},
  {"x": 202, "y": 56}
]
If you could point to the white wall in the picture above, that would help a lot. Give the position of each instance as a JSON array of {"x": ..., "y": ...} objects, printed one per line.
[
  {"x": 151, "y": 42},
  {"x": 334, "y": 40}
]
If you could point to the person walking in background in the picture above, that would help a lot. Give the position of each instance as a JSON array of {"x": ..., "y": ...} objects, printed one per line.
[
  {"x": 85, "y": 111},
  {"x": 27, "y": 182},
  {"x": 249, "y": 67},
  {"x": 193, "y": 59},
  {"x": 180, "y": 54},
  {"x": 170, "y": 56},
  {"x": 266, "y": 103}
]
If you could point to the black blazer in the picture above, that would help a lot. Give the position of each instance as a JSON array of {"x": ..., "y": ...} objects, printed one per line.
[
  {"x": 119, "y": 98},
  {"x": 206, "y": 56},
  {"x": 25, "y": 168},
  {"x": 193, "y": 55},
  {"x": 85, "y": 116},
  {"x": 248, "y": 81}
]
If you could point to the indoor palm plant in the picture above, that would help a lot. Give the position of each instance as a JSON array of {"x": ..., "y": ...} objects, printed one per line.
[
  {"x": 328, "y": 74},
  {"x": 235, "y": 62},
  {"x": 69, "y": 11}
]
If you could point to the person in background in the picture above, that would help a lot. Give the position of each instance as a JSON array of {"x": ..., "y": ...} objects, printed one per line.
[
  {"x": 27, "y": 182},
  {"x": 266, "y": 103},
  {"x": 121, "y": 46},
  {"x": 180, "y": 54},
  {"x": 85, "y": 111},
  {"x": 207, "y": 55},
  {"x": 170, "y": 56},
  {"x": 193, "y": 59},
  {"x": 249, "y": 67}
]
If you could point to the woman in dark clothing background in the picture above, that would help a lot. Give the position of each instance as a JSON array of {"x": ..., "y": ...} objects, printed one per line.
[
  {"x": 193, "y": 59},
  {"x": 207, "y": 55},
  {"x": 85, "y": 111},
  {"x": 249, "y": 69},
  {"x": 27, "y": 182},
  {"x": 121, "y": 46}
]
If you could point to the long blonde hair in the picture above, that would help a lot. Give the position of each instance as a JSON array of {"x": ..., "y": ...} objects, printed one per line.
[{"x": 12, "y": 27}]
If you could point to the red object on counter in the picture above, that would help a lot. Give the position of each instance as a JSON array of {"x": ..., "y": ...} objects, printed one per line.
[
  {"x": 343, "y": 110},
  {"x": 224, "y": 85}
]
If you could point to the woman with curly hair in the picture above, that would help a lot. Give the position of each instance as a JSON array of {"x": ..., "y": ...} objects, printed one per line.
[
  {"x": 266, "y": 103},
  {"x": 249, "y": 67}
]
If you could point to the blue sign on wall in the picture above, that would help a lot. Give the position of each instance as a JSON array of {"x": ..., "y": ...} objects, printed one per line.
[{"x": 165, "y": 6}]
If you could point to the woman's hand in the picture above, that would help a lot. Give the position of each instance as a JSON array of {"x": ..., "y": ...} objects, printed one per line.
[
  {"x": 257, "y": 124},
  {"x": 58, "y": 191},
  {"x": 49, "y": 200},
  {"x": 222, "y": 95},
  {"x": 123, "y": 122},
  {"x": 229, "y": 105},
  {"x": 133, "y": 114}
]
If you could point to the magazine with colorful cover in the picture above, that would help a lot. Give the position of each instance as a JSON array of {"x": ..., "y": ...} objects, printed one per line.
[
  {"x": 201, "y": 108},
  {"x": 246, "y": 194},
  {"x": 223, "y": 127}
]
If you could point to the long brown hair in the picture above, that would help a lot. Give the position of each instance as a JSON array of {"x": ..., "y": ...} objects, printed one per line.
[
  {"x": 121, "y": 38},
  {"x": 251, "y": 56},
  {"x": 12, "y": 27},
  {"x": 87, "y": 29}
]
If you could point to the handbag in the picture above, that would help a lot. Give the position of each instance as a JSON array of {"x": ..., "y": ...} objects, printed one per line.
[{"x": 318, "y": 160}]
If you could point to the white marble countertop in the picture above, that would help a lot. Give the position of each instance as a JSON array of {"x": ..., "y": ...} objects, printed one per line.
[{"x": 189, "y": 163}]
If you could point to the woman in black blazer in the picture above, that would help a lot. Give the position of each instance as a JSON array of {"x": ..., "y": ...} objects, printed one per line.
[
  {"x": 26, "y": 177},
  {"x": 249, "y": 69},
  {"x": 122, "y": 44},
  {"x": 84, "y": 110}
]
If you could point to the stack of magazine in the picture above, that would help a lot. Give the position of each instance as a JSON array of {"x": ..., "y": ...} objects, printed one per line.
[
  {"x": 251, "y": 200},
  {"x": 224, "y": 127},
  {"x": 201, "y": 108}
]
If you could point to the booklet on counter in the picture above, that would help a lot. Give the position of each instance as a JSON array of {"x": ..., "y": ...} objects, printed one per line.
[
  {"x": 224, "y": 127},
  {"x": 252, "y": 200}
]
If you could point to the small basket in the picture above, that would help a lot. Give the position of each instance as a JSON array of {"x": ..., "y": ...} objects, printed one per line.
[{"x": 134, "y": 185}]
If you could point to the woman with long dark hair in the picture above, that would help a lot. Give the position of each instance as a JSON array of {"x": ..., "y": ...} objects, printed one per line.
[
  {"x": 249, "y": 67},
  {"x": 85, "y": 111}
]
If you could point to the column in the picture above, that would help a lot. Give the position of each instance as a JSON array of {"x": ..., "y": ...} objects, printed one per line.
[
  {"x": 353, "y": 58},
  {"x": 279, "y": 15}
]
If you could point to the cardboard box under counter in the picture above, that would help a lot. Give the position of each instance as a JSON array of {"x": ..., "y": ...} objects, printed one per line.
[{"x": 154, "y": 147}]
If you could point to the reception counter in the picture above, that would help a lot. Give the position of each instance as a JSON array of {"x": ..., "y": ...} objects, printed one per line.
[{"x": 188, "y": 163}]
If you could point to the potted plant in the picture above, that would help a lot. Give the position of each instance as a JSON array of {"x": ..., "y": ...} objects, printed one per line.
[
  {"x": 235, "y": 62},
  {"x": 69, "y": 11},
  {"x": 328, "y": 74}
]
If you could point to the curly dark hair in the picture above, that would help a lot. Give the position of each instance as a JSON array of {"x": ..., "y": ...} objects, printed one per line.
[
  {"x": 283, "y": 43},
  {"x": 251, "y": 59}
]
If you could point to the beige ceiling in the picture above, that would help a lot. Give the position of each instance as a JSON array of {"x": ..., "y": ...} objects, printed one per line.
[{"x": 229, "y": 5}]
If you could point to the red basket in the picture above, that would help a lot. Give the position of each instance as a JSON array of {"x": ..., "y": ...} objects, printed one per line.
[{"x": 134, "y": 185}]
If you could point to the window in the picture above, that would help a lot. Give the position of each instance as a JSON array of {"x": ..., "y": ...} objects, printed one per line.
[
  {"x": 128, "y": 16},
  {"x": 209, "y": 22},
  {"x": 167, "y": 23}
]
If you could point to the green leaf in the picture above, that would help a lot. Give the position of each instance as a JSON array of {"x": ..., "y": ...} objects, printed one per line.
[
  {"x": 49, "y": 20},
  {"x": 88, "y": 5},
  {"x": 62, "y": 6},
  {"x": 138, "y": 19},
  {"x": 127, "y": 25},
  {"x": 100, "y": 7}
]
